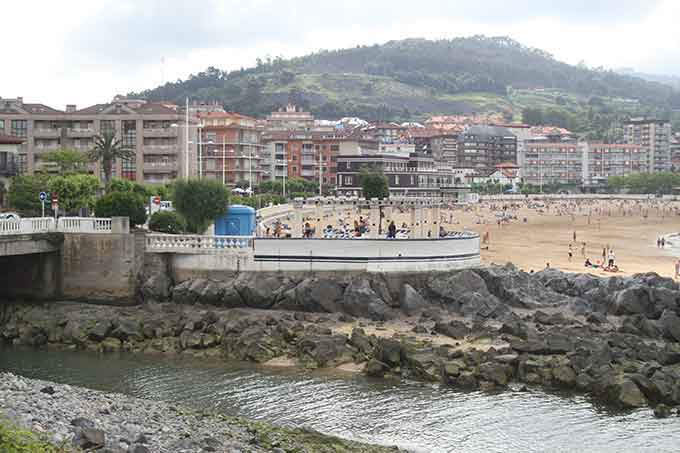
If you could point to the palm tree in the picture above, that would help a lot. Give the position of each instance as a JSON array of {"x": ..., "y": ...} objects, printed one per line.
[{"x": 107, "y": 148}]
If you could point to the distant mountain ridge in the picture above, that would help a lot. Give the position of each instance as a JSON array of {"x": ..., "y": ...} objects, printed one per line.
[
  {"x": 667, "y": 79},
  {"x": 413, "y": 78}
]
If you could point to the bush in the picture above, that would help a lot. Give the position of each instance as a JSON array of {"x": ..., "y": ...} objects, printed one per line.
[
  {"x": 169, "y": 222},
  {"x": 14, "y": 439},
  {"x": 200, "y": 202},
  {"x": 122, "y": 204}
]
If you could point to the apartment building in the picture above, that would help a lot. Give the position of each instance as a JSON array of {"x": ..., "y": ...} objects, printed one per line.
[
  {"x": 559, "y": 159},
  {"x": 552, "y": 160},
  {"x": 601, "y": 161},
  {"x": 290, "y": 118},
  {"x": 304, "y": 154},
  {"x": 654, "y": 136},
  {"x": 154, "y": 130},
  {"x": 230, "y": 150},
  {"x": 9, "y": 150},
  {"x": 675, "y": 152},
  {"x": 416, "y": 175},
  {"x": 483, "y": 147},
  {"x": 441, "y": 144}
]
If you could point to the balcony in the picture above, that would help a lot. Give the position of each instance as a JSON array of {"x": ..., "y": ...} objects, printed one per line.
[
  {"x": 160, "y": 167},
  {"x": 79, "y": 133},
  {"x": 161, "y": 132},
  {"x": 46, "y": 133},
  {"x": 160, "y": 149}
]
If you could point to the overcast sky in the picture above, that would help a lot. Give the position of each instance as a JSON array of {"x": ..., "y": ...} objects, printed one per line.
[{"x": 86, "y": 51}]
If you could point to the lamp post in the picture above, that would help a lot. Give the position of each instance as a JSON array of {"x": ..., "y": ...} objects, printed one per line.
[{"x": 224, "y": 162}]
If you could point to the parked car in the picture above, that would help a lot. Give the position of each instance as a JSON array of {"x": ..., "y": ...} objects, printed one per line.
[{"x": 9, "y": 216}]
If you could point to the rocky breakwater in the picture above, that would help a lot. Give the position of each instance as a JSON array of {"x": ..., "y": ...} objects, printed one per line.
[
  {"x": 614, "y": 338},
  {"x": 87, "y": 420}
]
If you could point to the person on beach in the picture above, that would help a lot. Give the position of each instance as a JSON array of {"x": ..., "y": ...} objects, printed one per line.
[
  {"x": 570, "y": 253},
  {"x": 583, "y": 250},
  {"x": 677, "y": 269},
  {"x": 392, "y": 230},
  {"x": 612, "y": 258}
]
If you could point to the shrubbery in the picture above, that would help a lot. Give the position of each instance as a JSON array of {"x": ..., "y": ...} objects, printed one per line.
[
  {"x": 122, "y": 204},
  {"x": 169, "y": 222},
  {"x": 200, "y": 202}
]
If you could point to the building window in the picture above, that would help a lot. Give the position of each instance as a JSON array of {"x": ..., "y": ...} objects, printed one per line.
[
  {"x": 19, "y": 128},
  {"x": 129, "y": 169},
  {"x": 107, "y": 126},
  {"x": 2, "y": 125}
]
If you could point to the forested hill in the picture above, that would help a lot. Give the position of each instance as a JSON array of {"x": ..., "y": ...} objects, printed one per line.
[{"x": 411, "y": 78}]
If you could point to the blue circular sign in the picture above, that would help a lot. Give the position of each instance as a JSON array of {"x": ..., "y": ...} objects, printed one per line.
[{"x": 43, "y": 196}]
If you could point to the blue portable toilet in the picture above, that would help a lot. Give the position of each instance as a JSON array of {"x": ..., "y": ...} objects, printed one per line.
[{"x": 238, "y": 221}]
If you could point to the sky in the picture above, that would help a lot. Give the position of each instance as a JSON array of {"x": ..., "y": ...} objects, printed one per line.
[{"x": 86, "y": 51}]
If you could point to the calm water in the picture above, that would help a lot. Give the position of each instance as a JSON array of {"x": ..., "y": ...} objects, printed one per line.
[{"x": 419, "y": 417}]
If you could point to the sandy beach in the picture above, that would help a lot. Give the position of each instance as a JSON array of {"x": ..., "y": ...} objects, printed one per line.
[{"x": 630, "y": 230}]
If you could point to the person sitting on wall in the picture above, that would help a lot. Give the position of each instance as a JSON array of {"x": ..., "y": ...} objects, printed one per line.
[
  {"x": 442, "y": 232},
  {"x": 307, "y": 231},
  {"x": 588, "y": 263}
]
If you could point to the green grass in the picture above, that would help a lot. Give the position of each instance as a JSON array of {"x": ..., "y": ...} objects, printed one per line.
[{"x": 17, "y": 440}]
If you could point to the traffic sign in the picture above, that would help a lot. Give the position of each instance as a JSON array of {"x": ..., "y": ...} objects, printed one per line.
[{"x": 43, "y": 196}]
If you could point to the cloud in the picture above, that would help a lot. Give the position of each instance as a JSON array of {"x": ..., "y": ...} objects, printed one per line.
[{"x": 88, "y": 51}]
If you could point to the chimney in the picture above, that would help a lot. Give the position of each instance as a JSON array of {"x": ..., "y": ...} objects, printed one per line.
[{"x": 70, "y": 108}]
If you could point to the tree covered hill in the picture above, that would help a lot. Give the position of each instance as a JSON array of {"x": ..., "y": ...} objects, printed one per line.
[{"x": 412, "y": 78}]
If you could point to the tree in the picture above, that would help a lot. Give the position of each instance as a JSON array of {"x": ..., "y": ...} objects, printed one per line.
[
  {"x": 124, "y": 185},
  {"x": 122, "y": 204},
  {"x": 374, "y": 184},
  {"x": 107, "y": 148},
  {"x": 74, "y": 191},
  {"x": 200, "y": 202},
  {"x": 69, "y": 161},
  {"x": 24, "y": 192},
  {"x": 168, "y": 222}
]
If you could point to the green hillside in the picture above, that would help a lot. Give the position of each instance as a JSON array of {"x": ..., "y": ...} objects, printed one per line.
[{"x": 414, "y": 78}]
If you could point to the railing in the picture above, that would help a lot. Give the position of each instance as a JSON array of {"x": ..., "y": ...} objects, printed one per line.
[
  {"x": 31, "y": 225},
  {"x": 84, "y": 225},
  {"x": 182, "y": 243}
]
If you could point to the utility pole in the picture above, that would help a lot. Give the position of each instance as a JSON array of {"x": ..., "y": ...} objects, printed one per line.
[{"x": 186, "y": 140}]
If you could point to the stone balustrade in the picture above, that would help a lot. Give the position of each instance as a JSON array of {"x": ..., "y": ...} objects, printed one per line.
[
  {"x": 196, "y": 244},
  {"x": 87, "y": 225}
]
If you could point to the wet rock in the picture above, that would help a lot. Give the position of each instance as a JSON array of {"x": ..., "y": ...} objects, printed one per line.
[
  {"x": 497, "y": 373},
  {"x": 324, "y": 351},
  {"x": 515, "y": 328},
  {"x": 128, "y": 329},
  {"x": 375, "y": 368},
  {"x": 49, "y": 390},
  {"x": 361, "y": 341},
  {"x": 389, "y": 352},
  {"x": 662, "y": 411},
  {"x": 262, "y": 293},
  {"x": 565, "y": 376},
  {"x": 549, "y": 319},
  {"x": 597, "y": 318}
]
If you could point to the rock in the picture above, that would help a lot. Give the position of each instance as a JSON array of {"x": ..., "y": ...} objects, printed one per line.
[
  {"x": 188, "y": 291},
  {"x": 139, "y": 449},
  {"x": 670, "y": 325},
  {"x": 211, "y": 293},
  {"x": 450, "y": 288},
  {"x": 497, "y": 373},
  {"x": 128, "y": 329},
  {"x": 89, "y": 438},
  {"x": 361, "y": 341},
  {"x": 410, "y": 301},
  {"x": 640, "y": 325},
  {"x": 49, "y": 390},
  {"x": 361, "y": 301},
  {"x": 626, "y": 393},
  {"x": 380, "y": 287},
  {"x": 517, "y": 288},
  {"x": 453, "y": 329},
  {"x": 420, "y": 329},
  {"x": 484, "y": 305},
  {"x": 596, "y": 318},
  {"x": 564, "y": 375},
  {"x": 258, "y": 292},
  {"x": 81, "y": 422},
  {"x": 322, "y": 351},
  {"x": 515, "y": 328},
  {"x": 110, "y": 344},
  {"x": 156, "y": 288},
  {"x": 654, "y": 280},
  {"x": 231, "y": 298},
  {"x": 583, "y": 283},
  {"x": 662, "y": 411},
  {"x": 318, "y": 295},
  {"x": 632, "y": 301},
  {"x": 375, "y": 368},
  {"x": 388, "y": 352},
  {"x": 100, "y": 330}
]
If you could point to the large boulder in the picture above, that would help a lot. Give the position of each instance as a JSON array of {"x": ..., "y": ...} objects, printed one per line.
[
  {"x": 319, "y": 295},
  {"x": 188, "y": 291},
  {"x": 410, "y": 301},
  {"x": 670, "y": 325},
  {"x": 212, "y": 293},
  {"x": 323, "y": 351},
  {"x": 484, "y": 305},
  {"x": 360, "y": 300},
  {"x": 633, "y": 301},
  {"x": 518, "y": 289},
  {"x": 654, "y": 280},
  {"x": 451, "y": 287},
  {"x": 258, "y": 292}
]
